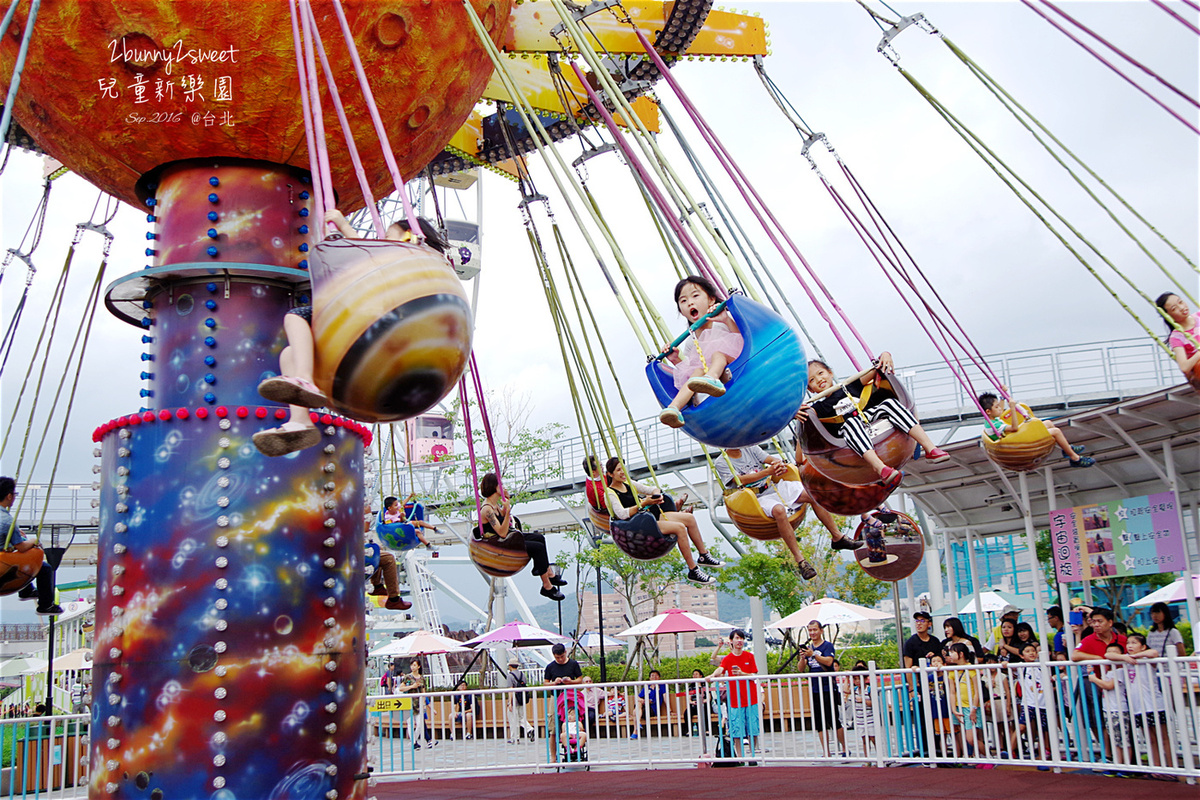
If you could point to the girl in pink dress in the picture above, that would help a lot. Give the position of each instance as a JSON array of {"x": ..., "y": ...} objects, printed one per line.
[
  {"x": 718, "y": 340},
  {"x": 1184, "y": 327}
]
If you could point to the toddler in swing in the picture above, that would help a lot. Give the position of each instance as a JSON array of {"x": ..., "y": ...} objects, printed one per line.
[
  {"x": 294, "y": 386},
  {"x": 700, "y": 362},
  {"x": 839, "y": 412},
  {"x": 995, "y": 427}
]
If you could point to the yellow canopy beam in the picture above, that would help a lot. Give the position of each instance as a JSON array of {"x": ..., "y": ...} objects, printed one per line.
[{"x": 725, "y": 33}]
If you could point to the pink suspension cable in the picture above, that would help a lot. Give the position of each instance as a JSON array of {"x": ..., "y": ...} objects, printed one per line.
[
  {"x": 464, "y": 401},
  {"x": 364, "y": 185},
  {"x": 1176, "y": 14},
  {"x": 380, "y": 132},
  {"x": 1121, "y": 52},
  {"x": 309, "y": 139},
  {"x": 326, "y": 199},
  {"x": 744, "y": 186},
  {"x": 668, "y": 213},
  {"x": 881, "y": 224},
  {"x": 1106, "y": 63},
  {"x": 872, "y": 245}
]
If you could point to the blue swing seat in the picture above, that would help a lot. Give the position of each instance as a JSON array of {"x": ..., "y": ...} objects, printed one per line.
[
  {"x": 371, "y": 559},
  {"x": 767, "y": 384},
  {"x": 396, "y": 535}
]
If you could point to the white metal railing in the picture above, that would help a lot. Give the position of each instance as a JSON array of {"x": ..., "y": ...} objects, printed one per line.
[
  {"x": 1039, "y": 714},
  {"x": 44, "y": 757}
]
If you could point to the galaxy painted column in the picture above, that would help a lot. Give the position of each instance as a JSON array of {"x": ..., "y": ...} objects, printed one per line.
[{"x": 229, "y": 644}]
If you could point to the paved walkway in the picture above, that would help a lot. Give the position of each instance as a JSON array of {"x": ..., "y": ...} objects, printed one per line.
[{"x": 917, "y": 782}]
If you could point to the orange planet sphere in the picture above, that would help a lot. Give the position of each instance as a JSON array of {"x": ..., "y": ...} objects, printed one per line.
[{"x": 114, "y": 88}]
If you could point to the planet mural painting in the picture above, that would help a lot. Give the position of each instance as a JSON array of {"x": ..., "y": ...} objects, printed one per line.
[{"x": 157, "y": 81}]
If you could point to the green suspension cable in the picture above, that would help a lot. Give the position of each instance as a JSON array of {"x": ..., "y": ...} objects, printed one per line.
[{"x": 971, "y": 140}]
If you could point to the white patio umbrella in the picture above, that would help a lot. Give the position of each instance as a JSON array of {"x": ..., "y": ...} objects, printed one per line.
[
  {"x": 593, "y": 639},
  {"x": 828, "y": 611},
  {"x": 420, "y": 643},
  {"x": 1173, "y": 592},
  {"x": 22, "y": 665},
  {"x": 74, "y": 660},
  {"x": 991, "y": 602}
]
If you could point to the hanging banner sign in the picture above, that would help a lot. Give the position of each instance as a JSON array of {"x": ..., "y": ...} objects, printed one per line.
[{"x": 1135, "y": 536}]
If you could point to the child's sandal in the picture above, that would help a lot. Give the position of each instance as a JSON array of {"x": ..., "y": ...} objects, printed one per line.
[
  {"x": 292, "y": 391},
  {"x": 288, "y": 438},
  {"x": 702, "y": 384},
  {"x": 671, "y": 417}
]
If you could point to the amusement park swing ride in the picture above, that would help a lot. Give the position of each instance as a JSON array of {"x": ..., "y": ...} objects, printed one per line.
[{"x": 256, "y": 629}]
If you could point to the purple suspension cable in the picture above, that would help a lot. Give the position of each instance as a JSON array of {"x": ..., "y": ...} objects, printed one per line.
[
  {"x": 466, "y": 407},
  {"x": 380, "y": 132},
  {"x": 487, "y": 425},
  {"x": 1176, "y": 15},
  {"x": 971, "y": 350},
  {"x": 1106, "y": 63},
  {"x": 745, "y": 186},
  {"x": 668, "y": 213},
  {"x": 872, "y": 245},
  {"x": 364, "y": 185},
  {"x": 1120, "y": 52}
]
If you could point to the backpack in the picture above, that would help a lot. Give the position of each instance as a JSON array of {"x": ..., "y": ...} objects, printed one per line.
[{"x": 521, "y": 697}]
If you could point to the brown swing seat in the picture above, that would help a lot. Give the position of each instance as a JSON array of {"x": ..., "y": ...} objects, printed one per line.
[
  {"x": 833, "y": 458},
  {"x": 499, "y": 558},
  {"x": 839, "y": 498},
  {"x": 18, "y": 569}
]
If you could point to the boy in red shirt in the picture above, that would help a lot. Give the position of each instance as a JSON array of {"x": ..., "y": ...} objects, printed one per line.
[{"x": 743, "y": 694}]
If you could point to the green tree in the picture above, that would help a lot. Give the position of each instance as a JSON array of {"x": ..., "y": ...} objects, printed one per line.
[
  {"x": 1113, "y": 589},
  {"x": 517, "y": 445},
  {"x": 767, "y": 571}
]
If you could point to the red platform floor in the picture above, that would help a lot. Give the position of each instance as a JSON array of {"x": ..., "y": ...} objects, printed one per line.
[{"x": 825, "y": 782}]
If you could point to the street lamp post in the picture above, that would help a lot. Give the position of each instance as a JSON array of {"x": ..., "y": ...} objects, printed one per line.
[{"x": 600, "y": 625}]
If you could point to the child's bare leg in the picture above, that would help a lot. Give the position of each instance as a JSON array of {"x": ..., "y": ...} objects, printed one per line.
[
  {"x": 294, "y": 386},
  {"x": 876, "y": 463},
  {"x": 789, "y": 535},
  {"x": 299, "y": 415},
  {"x": 299, "y": 352},
  {"x": 682, "y": 399},
  {"x": 824, "y": 516},
  {"x": 918, "y": 433},
  {"x": 717, "y": 365},
  {"x": 1060, "y": 439}
]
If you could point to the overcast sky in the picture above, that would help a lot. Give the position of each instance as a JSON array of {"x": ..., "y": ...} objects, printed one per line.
[{"x": 1011, "y": 284}]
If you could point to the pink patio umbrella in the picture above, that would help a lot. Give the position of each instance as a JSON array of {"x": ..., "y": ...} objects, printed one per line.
[
  {"x": 1173, "y": 592},
  {"x": 675, "y": 620},
  {"x": 517, "y": 634}
]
